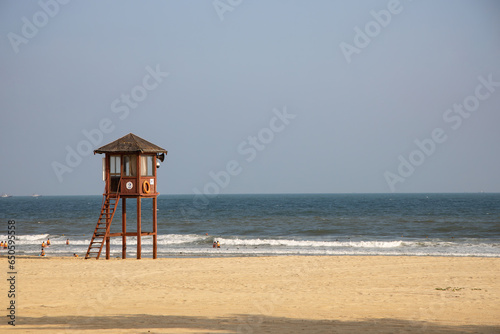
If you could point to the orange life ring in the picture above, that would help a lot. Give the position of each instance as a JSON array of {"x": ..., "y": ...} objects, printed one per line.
[{"x": 146, "y": 187}]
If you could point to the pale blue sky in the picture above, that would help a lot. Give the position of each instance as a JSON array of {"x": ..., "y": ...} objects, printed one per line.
[{"x": 354, "y": 120}]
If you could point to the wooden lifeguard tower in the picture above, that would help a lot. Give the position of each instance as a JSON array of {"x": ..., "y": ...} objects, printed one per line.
[{"x": 129, "y": 171}]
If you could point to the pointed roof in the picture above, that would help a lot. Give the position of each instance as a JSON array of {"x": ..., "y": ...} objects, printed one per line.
[{"x": 130, "y": 143}]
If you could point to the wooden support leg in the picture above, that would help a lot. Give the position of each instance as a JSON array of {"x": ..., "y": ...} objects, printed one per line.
[
  {"x": 124, "y": 228},
  {"x": 139, "y": 232},
  {"x": 107, "y": 238},
  {"x": 108, "y": 246},
  {"x": 155, "y": 239}
]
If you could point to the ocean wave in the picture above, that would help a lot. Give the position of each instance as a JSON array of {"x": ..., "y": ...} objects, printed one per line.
[
  {"x": 310, "y": 243},
  {"x": 164, "y": 239},
  {"x": 201, "y": 245},
  {"x": 29, "y": 238}
]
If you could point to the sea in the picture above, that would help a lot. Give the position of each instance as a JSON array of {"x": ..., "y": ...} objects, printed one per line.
[{"x": 267, "y": 225}]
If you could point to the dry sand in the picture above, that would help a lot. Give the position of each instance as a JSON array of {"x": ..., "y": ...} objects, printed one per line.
[{"x": 347, "y": 294}]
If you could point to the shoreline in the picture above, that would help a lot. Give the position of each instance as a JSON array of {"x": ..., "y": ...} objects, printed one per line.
[
  {"x": 223, "y": 256},
  {"x": 279, "y": 294}
]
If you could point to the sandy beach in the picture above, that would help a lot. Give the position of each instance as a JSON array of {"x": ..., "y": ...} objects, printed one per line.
[{"x": 346, "y": 294}]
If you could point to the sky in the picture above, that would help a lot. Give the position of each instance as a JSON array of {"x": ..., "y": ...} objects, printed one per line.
[{"x": 253, "y": 96}]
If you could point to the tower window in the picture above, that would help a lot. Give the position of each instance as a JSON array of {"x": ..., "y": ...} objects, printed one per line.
[
  {"x": 147, "y": 165},
  {"x": 130, "y": 165},
  {"x": 114, "y": 164}
]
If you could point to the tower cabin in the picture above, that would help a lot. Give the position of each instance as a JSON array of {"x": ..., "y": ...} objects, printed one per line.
[{"x": 129, "y": 170}]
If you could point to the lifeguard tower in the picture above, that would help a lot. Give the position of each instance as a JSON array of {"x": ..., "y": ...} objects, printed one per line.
[{"x": 129, "y": 171}]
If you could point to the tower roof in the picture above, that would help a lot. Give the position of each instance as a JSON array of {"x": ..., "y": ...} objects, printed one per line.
[{"x": 130, "y": 143}]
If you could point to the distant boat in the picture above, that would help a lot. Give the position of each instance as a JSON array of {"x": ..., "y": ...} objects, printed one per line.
[
  {"x": 5, "y": 195},
  {"x": 35, "y": 195}
]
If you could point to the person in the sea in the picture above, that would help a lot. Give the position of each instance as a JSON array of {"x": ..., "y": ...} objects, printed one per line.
[
  {"x": 67, "y": 241},
  {"x": 215, "y": 244},
  {"x": 75, "y": 255},
  {"x": 48, "y": 242},
  {"x": 218, "y": 244},
  {"x": 43, "y": 244},
  {"x": 1, "y": 244},
  {"x": 43, "y": 252}
]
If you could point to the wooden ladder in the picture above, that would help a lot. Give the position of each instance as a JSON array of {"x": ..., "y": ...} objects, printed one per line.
[{"x": 108, "y": 209}]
